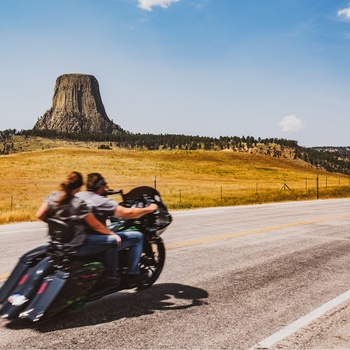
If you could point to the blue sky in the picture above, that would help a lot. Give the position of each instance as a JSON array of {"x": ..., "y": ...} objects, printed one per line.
[{"x": 262, "y": 68}]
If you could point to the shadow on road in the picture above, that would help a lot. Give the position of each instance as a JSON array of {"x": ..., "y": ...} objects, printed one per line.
[{"x": 162, "y": 297}]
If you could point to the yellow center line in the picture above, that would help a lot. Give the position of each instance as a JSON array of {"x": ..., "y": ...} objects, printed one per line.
[{"x": 223, "y": 237}]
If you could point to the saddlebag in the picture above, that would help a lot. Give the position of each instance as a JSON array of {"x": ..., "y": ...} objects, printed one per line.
[{"x": 63, "y": 290}]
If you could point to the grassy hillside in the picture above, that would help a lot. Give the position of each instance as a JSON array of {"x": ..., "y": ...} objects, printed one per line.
[{"x": 186, "y": 179}]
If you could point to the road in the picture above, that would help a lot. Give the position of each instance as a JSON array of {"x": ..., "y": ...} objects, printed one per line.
[{"x": 233, "y": 277}]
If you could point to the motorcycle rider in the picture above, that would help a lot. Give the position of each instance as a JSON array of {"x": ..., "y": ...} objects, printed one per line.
[
  {"x": 64, "y": 204},
  {"x": 103, "y": 208}
]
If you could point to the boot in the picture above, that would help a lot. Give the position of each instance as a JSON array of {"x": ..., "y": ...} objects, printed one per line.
[
  {"x": 106, "y": 284},
  {"x": 135, "y": 280}
]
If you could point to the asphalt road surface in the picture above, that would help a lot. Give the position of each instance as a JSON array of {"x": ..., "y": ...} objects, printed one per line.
[{"x": 233, "y": 277}]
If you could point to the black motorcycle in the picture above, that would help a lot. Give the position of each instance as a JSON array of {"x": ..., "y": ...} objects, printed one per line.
[{"x": 50, "y": 279}]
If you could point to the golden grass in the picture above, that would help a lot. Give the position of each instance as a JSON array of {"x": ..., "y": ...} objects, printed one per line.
[{"x": 186, "y": 179}]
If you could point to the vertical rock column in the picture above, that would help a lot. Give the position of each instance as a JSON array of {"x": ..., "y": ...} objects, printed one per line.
[{"x": 77, "y": 107}]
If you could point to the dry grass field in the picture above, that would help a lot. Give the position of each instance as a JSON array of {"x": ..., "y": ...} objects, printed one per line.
[{"x": 186, "y": 179}]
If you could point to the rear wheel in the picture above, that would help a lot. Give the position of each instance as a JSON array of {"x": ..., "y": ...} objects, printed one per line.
[{"x": 152, "y": 262}]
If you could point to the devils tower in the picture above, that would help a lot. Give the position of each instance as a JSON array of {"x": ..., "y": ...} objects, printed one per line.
[{"x": 77, "y": 107}]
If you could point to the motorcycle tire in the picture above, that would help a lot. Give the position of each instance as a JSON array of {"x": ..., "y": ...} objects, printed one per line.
[{"x": 152, "y": 262}]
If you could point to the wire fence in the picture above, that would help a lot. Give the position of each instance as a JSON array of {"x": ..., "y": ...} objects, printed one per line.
[
  {"x": 212, "y": 193},
  {"x": 254, "y": 191}
]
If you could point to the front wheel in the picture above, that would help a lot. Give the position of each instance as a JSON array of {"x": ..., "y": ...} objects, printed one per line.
[{"x": 152, "y": 261}]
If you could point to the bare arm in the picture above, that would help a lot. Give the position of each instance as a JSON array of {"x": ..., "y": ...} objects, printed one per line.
[
  {"x": 133, "y": 213},
  {"x": 41, "y": 214}
]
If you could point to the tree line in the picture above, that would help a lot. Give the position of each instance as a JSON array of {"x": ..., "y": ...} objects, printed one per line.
[
  {"x": 127, "y": 139},
  {"x": 332, "y": 159}
]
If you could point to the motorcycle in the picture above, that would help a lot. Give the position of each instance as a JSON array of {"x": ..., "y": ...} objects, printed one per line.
[{"x": 50, "y": 279}]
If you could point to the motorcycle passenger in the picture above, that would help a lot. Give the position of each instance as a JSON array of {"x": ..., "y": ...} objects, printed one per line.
[
  {"x": 103, "y": 208},
  {"x": 64, "y": 204}
]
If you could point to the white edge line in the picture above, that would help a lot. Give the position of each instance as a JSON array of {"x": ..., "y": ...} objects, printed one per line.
[
  {"x": 29, "y": 229},
  {"x": 301, "y": 322}
]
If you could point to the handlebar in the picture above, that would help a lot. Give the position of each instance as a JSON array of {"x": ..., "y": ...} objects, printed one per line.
[
  {"x": 111, "y": 192},
  {"x": 141, "y": 197}
]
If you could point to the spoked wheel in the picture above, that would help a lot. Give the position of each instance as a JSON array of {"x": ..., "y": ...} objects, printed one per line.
[{"x": 152, "y": 262}]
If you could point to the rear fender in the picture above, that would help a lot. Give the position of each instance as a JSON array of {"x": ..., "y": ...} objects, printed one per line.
[
  {"x": 35, "y": 255},
  {"x": 11, "y": 283},
  {"x": 26, "y": 288},
  {"x": 26, "y": 261}
]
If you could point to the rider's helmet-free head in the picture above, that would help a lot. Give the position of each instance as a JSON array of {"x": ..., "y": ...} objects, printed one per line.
[{"x": 95, "y": 181}]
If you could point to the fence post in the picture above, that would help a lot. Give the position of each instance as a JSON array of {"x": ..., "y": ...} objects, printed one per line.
[
  {"x": 317, "y": 193},
  {"x": 155, "y": 182}
]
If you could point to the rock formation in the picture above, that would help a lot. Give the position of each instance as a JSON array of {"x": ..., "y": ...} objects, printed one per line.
[{"x": 77, "y": 107}]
